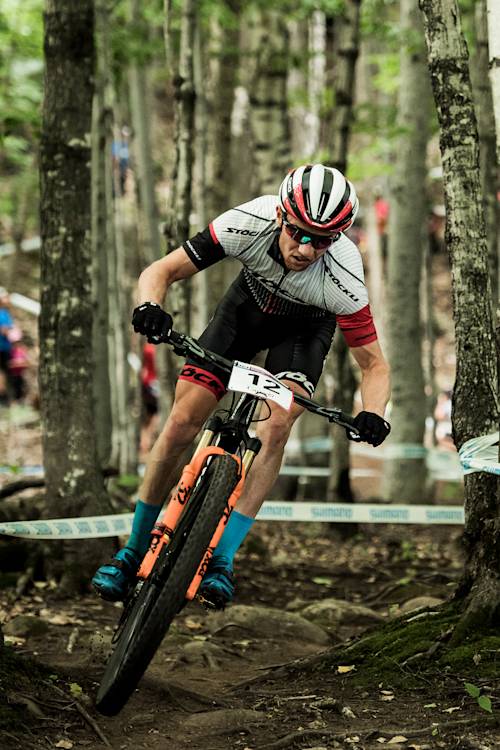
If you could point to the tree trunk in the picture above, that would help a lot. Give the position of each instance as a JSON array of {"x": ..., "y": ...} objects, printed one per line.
[
  {"x": 185, "y": 97},
  {"x": 342, "y": 36},
  {"x": 224, "y": 57},
  {"x": 493, "y": 12},
  {"x": 487, "y": 140},
  {"x": 73, "y": 477},
  {"x": 102, "y": 176},
  {"x": 405, "y": 479},
  {"x": 343, "y": 47},
  {"x": 475, "y": 408},
  {"x": 268, "y": 100},
  {"x": 139, "y": 108},
  {"x": 339, "y": 482}
]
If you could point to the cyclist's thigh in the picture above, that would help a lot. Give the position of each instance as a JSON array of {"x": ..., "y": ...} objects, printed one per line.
[
  {"x": 192, "y": 404},
  {"x": 300, "y": 357},
  {"x": 234, "y": 333}
]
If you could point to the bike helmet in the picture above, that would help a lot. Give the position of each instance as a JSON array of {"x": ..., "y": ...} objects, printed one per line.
[{"x": 320, "y": 197}]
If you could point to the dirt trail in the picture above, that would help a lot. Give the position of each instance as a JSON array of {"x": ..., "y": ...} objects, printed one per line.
[{"x": 215, "y": 682}]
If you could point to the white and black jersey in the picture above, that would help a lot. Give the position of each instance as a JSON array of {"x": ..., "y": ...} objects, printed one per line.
[{"x": 334, "y": 284}]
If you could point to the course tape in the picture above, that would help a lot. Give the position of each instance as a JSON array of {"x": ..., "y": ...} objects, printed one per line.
[
  {"x": 94, "y": 527},
  {"x": 480, "y": 454}
]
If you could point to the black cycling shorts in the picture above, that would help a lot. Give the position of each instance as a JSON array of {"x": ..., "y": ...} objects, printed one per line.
[{"x": 297, "y": 346}]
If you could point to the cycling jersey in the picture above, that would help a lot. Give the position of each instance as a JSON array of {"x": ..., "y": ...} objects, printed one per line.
[
  {"x": 292, "y": 314},
  {"x": 332, "y": 284}
]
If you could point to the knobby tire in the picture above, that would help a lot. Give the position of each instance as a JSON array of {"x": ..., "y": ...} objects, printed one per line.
[{"x": 157, "y": 603}]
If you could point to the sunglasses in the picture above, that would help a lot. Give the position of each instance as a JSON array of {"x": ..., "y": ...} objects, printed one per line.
[{"x": 301, "y": 236}]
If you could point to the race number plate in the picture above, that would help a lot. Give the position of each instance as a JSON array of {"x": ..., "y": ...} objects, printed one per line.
[{"x": 258, "y": 382}]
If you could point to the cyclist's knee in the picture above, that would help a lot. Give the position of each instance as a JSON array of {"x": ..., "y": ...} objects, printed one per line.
[
  {"x": 190, "y": 410},
  {"x": 276, "y": 429}
]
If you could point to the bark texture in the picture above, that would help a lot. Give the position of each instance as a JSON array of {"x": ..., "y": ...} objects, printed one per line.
[
  {"x": 185, "y": 97},
  {"x": 342, "y": 36},
  {"x": 475, "y": 407},
  {"x": 342, "y": 50},
  {"x": 487, "y": 140},
  {"x": 405, "y": 479},
  {"x": 74, "y": 480},
  {"x": 268, "y": 100}
]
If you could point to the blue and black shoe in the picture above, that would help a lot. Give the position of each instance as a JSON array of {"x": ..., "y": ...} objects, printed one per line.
[
  {"x": 217, "y": 587},
  {"x": 113, "y": 580}
]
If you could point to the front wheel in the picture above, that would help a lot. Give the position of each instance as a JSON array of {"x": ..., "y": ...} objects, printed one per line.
[{"x": 156, "y": 601}]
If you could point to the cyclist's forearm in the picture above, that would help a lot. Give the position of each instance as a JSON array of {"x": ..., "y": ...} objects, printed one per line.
[
  {"x": 153, "y": 284},
  {"x": 376, "y": 388}
]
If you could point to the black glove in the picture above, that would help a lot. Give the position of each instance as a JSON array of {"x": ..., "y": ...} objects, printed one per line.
[
  {"x": 372, "y": 428},
  {"x": 152, "y": 321}
]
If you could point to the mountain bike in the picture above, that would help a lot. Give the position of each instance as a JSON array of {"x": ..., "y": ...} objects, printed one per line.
[{"x": 186, "y": 535}]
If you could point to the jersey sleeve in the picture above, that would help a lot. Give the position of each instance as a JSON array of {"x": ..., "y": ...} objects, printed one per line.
[
  {"x": 358, "y": 328},
  {"x": 232, "y": 233},
  {"x": 204, "y": 249}
]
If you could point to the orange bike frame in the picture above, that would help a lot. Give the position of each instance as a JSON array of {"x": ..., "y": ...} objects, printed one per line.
[{"x": 164, "y": 528}]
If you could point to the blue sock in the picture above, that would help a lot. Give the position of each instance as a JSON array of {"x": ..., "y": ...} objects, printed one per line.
[
  {"x": 144, "y": 519},
  {"x": 235, "y": 532}
]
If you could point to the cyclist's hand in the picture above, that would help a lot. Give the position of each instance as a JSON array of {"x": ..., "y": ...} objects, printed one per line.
[
  {"x": 372, "y": 428},
  {"x": 152, "y": 321}
]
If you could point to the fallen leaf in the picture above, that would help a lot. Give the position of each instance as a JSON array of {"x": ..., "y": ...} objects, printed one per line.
[
  {"x": 67, "y": 744},
  {"x": 192, "y": 624},
  {"x": 323, "y": 581},
  {"x": 387, "y": 692},
  {"x": 451, "y": 709},
  {"x": 64, "y": 620},
  {"x": 348, "y": 712},
  {"x": 397, "y": 739},
  {"x": 14, "y": 640},
  {"x": 430, "y": 705},
  {"x": 387, "y": 698},
  {"x": 381, "y": 740},
  {"x": 345, "y": 669}
]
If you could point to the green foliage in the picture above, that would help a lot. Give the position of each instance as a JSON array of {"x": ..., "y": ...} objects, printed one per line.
[
  {"x": 21, "y": 67},
  {"x": 483, "y": 701}
]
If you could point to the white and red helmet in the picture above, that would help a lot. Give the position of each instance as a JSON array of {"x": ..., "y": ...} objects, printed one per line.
[{"x": 320, "y": 197}]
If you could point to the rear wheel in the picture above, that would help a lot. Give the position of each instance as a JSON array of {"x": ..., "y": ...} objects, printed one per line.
[{"x": 156, "y": 601}]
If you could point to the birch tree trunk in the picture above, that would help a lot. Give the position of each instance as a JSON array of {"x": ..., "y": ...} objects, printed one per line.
[
  {"x": 475, "y": 407},
  {"x": 493, "y": 14},
  {"x": 102, "y": 176},
  {"x": 487, "y": 140},
  {"x": 185, "y": 97},
  {"x": 140, "y": 106},
  {"x": 268, "y": 100},
  {"x": 343, "y": 51},
  {"x": 405, "y": 479},
  {"x": 224, "y": 58},
  {"x": 73, "y": 478},
  {"x": 342, "y": 46}
]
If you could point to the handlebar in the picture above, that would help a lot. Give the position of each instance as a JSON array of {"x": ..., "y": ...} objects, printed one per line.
[{"x": 185, "y": 346}]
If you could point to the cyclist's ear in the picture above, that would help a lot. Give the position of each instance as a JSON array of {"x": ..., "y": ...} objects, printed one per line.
[{"x": 279, "y": 216}]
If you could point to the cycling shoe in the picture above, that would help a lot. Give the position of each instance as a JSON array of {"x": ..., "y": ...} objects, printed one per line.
[
  {"x": 217, "y": 586},
  {"x": 113, "y": 580}
]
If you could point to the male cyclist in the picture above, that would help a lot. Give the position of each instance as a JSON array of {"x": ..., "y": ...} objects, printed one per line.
[{"x": 301, "y": 276}]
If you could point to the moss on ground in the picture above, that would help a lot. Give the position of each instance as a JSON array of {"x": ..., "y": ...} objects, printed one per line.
[{"x": 403, "y": 651}]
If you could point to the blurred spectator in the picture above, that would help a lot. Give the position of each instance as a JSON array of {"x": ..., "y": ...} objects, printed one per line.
[
  {"x": 381, "y": 207},
  {"x": 442, "y": 415},
  {"x": 121, "y": 158},
  {"x": 6, "y": 327},
  {"x": 149, "y": 397},
  {"x": 436, "y": 227},
  {"x": 18, "y": 364}
]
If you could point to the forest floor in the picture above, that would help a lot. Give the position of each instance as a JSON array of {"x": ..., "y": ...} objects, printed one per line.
[{"x": 232, "y": 679}]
